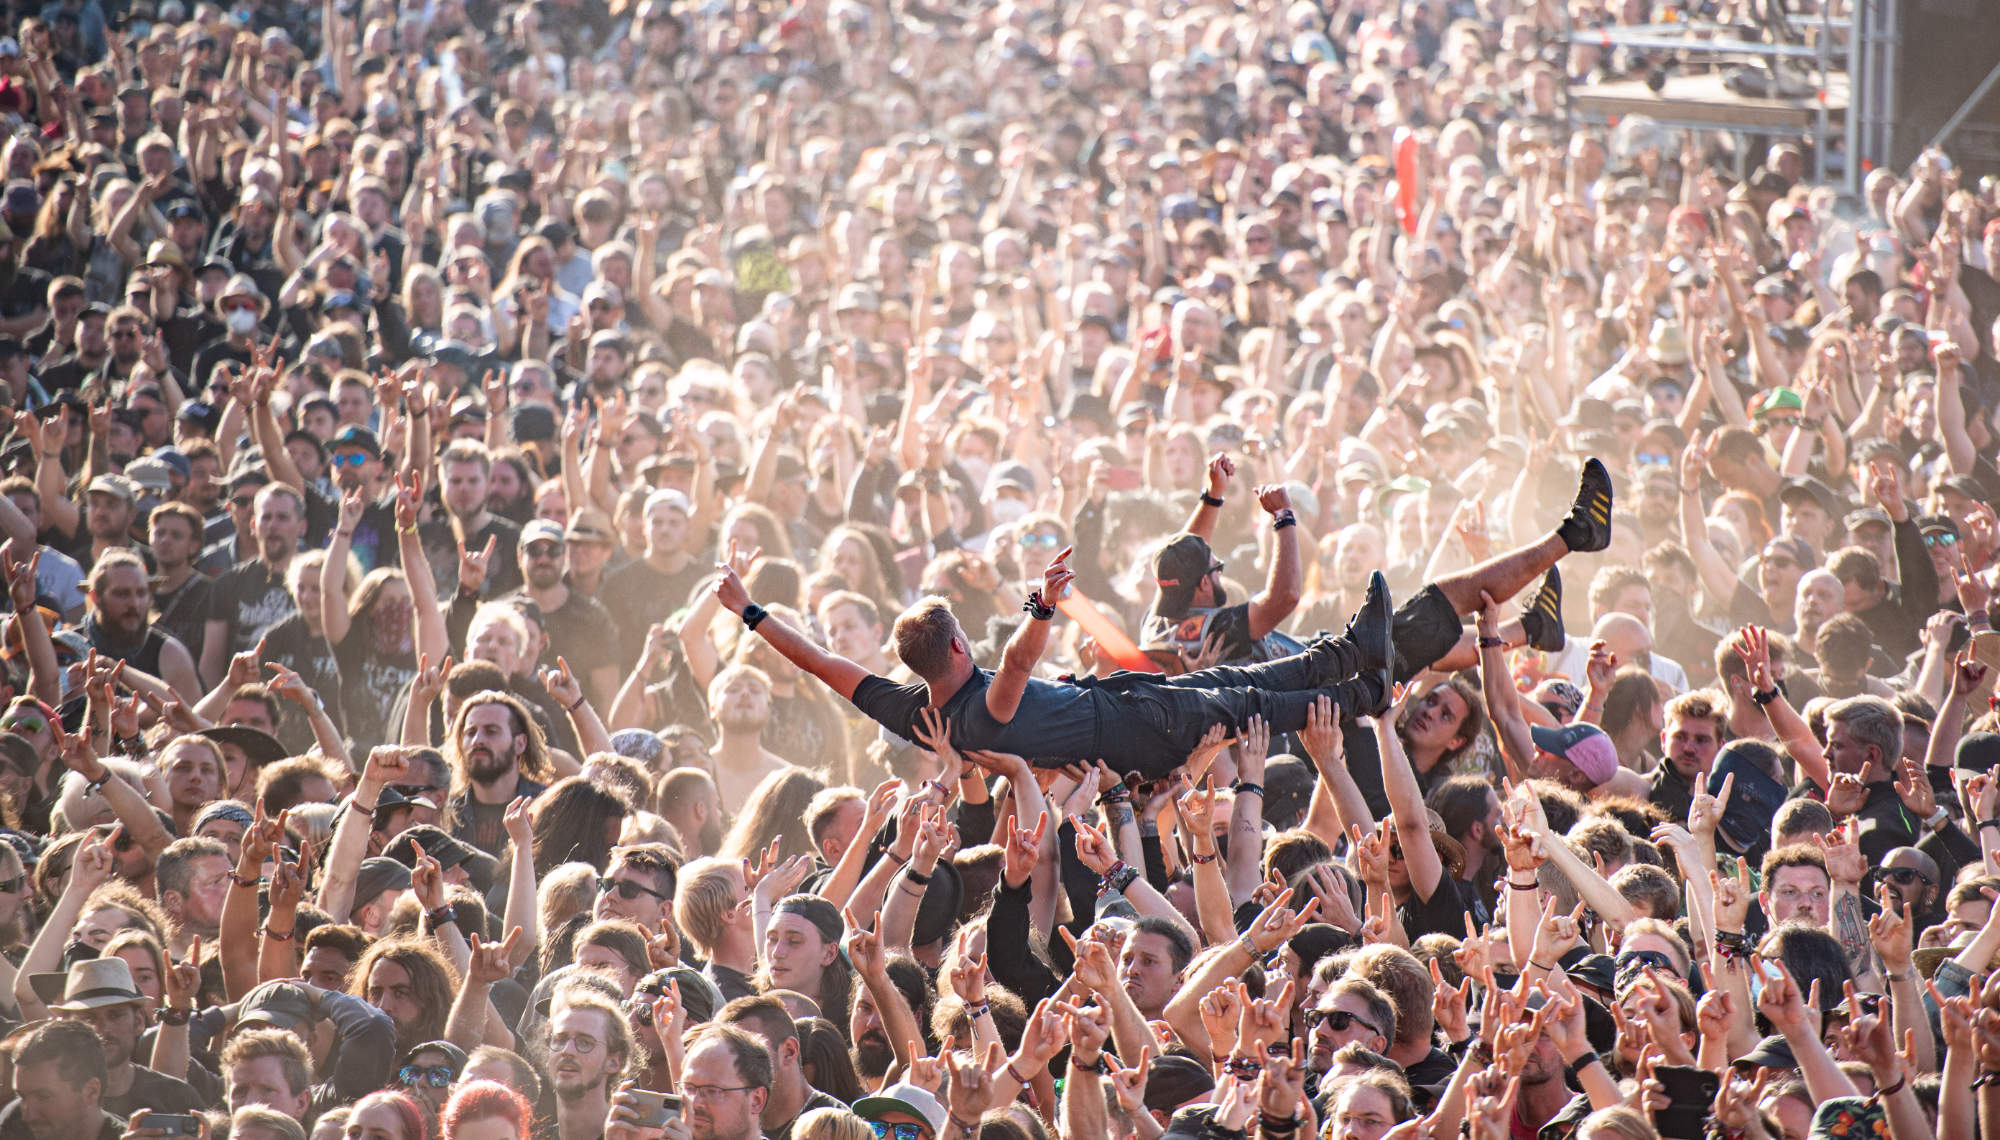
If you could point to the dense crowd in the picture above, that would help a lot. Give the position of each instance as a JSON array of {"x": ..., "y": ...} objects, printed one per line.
[{"x": 999, "y": 570}]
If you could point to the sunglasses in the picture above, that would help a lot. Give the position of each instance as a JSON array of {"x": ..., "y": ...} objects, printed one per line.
[
  {"x": 1903, "y": 876},
  {"x": 436, "y": 1076},
  {"x": 1041, "y": 541},
  {"x": 409, "y": 790},
  {"x": 350, "y": 459},
  {"x": 26, "y": 725},
  {"x": 1942, "y": 538},
  {"x": 1653, "y": 459},
  {"x": 14, "y": 885},
  {"x": 244, "y": 503},
  {"x": 1338, "y": 1020},
  {"x": 627, "y": 889},
  {"x": 884, "y": 1131}
]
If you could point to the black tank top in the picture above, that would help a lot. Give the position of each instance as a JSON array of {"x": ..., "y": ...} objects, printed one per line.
[{"x": 145, "y": 656}]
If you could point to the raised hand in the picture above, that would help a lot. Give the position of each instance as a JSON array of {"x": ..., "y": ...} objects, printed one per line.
[
  {"x": 1842, "y": 852},
  {"x": 472, "y": 568},
  {"x": 492, "y": 962},
  {"x": 1913, "y": 787},
  {"x": 864, "y": 947},
  {"x": 1057, "y": 577},
  {"x": 729, "y": 588},
  {"x": 1023, "y": 850},
  {"x": 563, "y": 685},
  {"x": 426, "y": 879},
  {"x": 1094, "y": 849},
  {"x": 181, "y": 982}
]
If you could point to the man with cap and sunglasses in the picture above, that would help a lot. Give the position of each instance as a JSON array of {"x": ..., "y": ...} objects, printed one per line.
[{"x": 579, "y": 628}]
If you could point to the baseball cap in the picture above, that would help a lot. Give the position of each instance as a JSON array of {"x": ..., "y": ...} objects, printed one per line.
[
  {"x": 354, "y": 435},
  {"x": 280, "y": 1005},
  {"x": 1855, "y": 520},
  {"x": 117, "y": 485},
  {"x": 379, "y": 873},
  {"x": 904, "y": 1098},
  {"x": 1583, "y": 745},
  {"x": 541, "y": 530},
  {"x": 1776, "y": 400},
  {"x": 1179, "y": 567},
  {"x": 1812, "y": 489}
]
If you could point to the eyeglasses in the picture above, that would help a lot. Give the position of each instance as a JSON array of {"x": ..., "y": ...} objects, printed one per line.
[
  {"x": 1041, "y": 541},
  {"x": 541, "y": 550},
  {"x": 1339, "y": 1020},
  {"x": 627, "y": 889},
  {"x": 710, "y": 1092},
  {"x": 243, "y": 502},
  {"x": 436, "y": 1076},
  {"x": 583, "y": 1045},
  {"x": 350, "y": 459},
  {"x": 1942, "y": 538}
]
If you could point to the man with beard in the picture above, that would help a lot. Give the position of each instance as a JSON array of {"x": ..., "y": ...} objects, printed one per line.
[
  {"x": 689, "y": 802},
  {"x": 1191, "y": 607},
  {"x": 355, "y": 455},
  {"x": 647, "y": 590},
  {"x": 708, "y": 908},
  {"x": 792, "y": 1096},
  {"x": 100, "y": 994},
  {"x": 589, "y": 1048},
  {"x": 180, "y": 595},
  {"x": 739, "y": 699},
  {"x": 497, "y": 753},
  {"x": 466, "y": 467},
  {"x": 580, "y": 629},
  {"x": 726, "y": 1077},
  {"x": 59, "y": 1080},
  {"x": 110, "y": 506},
  {"x": 83, "y": 354},
  {"x": 252, "y": 596},
  {"x": 117, "y": 625},
  {"x": 891, "y": 999}
]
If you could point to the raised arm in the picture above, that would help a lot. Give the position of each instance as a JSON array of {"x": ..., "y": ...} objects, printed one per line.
[
  {"x": 1024, "y": 649},
  {"x": 1201, "y": 523},
  {"x": 1503, "y": 701},
  {"x": 334, "y": 620},
  {"x": 357, "y": 819},
  {"x": 432, "y": 637},
  {"x": 839, "y": 674},
  {"x": 1406, "y": 807},
  {"x": 1281, "y": 592},
  {"x": 1753, "y": 644}
]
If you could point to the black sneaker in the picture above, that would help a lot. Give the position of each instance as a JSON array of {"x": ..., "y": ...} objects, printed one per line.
[
  {"x": 1543, "y": 621},
  {"x": 1588, "y": 526},
  {"x": 1369, "y": 630}
]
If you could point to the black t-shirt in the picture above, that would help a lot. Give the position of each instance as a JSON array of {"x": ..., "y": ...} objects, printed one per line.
[
  {"x": 1442, "y": 913},
  {"x": 372, "y": 676},
  {"x": 252, "y": 598},
  {"x": 24, "y": 292},
  {"x": 292, "y": 644},
  {"x": 1191, "y": 630},
  {"x": 184, "y": 612},
  {"x": 153, "y": 1091},
  {"x": 581, "y": 632},
  {"x": 1053, "y": 719},
  {"x": 643, "y": 596},
  {"x": 818, "y": 1099},
  {"x": 503, "y": 574}
]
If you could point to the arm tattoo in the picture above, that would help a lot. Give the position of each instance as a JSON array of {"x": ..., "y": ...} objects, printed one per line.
[
  {"x": 1119, "y": 813},
  {"x": 1849, "y": 930}
]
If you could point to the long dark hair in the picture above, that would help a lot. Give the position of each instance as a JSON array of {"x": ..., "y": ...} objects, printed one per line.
[{"x": 573, "y": 823}]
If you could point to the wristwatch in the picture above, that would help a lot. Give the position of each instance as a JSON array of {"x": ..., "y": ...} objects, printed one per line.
[{"x": 1937, "y": 819}]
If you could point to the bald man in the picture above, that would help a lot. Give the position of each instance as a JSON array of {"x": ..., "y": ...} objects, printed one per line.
[
  {"x": 1819, "y": 598},
  {"x": 1632, "y": 641}
]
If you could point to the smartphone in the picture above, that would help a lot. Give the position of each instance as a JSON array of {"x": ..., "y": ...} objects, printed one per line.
[
  {"x": 172, "y": 1123},
  {"x": 1691, "y": 1097},
  {"x": 1123, "y": 478},
  {"x": 656, "y": 1108}
]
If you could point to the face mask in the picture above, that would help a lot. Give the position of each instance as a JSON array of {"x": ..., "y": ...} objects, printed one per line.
[
  {"x": 976, "y": 470},
  {"x": 1005, "y": 511},
  {"x": 241, "y": 321}
]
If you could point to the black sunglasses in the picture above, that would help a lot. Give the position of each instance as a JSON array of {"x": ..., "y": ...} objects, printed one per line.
[
  {"x": 1901, "y": 876},
  {"x": 1339, "y": 1020},
  {"x": 627, "y": 889}
]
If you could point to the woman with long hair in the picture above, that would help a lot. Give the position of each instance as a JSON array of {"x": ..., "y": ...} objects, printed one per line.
[
  {"x": 823, "y": 1054},
  {"x": 575, "y": 821},
  {"x": 850, "y": 552},
  {"x": 773, "y": 811},
  {"x": 486, "y": 1110},
  {"x": 145, "y": 957}
]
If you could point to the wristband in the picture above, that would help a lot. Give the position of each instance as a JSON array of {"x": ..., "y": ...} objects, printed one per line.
[
  {"x": 1534, "y": 886},
  {"x": 1767, "y": 696},
  {"x": 916, "y": 876},
  {"x": 1284, "y": 518},
  {"x": 169, "y": 1015},
  {"x": 1119, "y": 794},
  {"x": 1037, "y": 608},
  {"x": 1242, "y": 786},
  {"x": 354, "y": 805},
  {"x": 401, "y": 529},
  {"x": 1583, "y": 1061},
  {"x": 131, "y": 745},
  {"x": 977, "y": 1010},
  {"x": 1025, "y": 1081},
  {"x": 1492, "y": 643},
  {"x": 580, "y": 698},
  {"x": 1202, "y": 860},
  {"x": 97, "y": 785},
  {"x": 1989, "y": 1077},
  {"x": 1096, "y": 1065},
  {"x": 1120, "y": 878},
  {"x": 963, "y": 1128},
  {"x": 274, "y": 936},
  {"x": 250, "y": 881},
  {"x": 752, "y": 614},
  {"x": 1881, "y": 1094},
  {"x": 1208, "y": 500},
  {"x": 1542, "y": 968},
  {"x": 1986, "y": 823},
  {"x": 901, "y": 860},
  {"x": 447, "y": 913},
  {"x": 942, "y": 791}
]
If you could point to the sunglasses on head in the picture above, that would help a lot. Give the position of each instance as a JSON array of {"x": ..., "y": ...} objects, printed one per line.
[
  {"x": 627, "y": 889},
  {"x": 436, "y": 1076}
]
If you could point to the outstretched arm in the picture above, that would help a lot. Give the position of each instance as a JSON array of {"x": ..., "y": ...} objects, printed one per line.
[
  {"x": 1281, "y": 593},
  {"x": 840, "y": 674},
  {"x": 1024, "y": 649}
]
